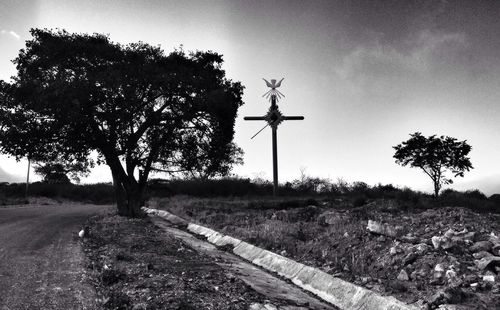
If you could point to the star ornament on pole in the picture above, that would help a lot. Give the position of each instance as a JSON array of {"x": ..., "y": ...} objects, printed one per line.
[{"x": 274, "y": 117}]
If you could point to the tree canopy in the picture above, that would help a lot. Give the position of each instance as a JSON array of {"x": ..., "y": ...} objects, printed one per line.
[
  {"x": 140, "y": 109},
  {"x": 435, "y": 156}
]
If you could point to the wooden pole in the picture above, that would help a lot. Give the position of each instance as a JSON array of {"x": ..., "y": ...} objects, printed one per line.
[
  {"x": 275, "y": 162},
  {"x": 27, "y": 178},
  {"x": 275, "y": 148}
]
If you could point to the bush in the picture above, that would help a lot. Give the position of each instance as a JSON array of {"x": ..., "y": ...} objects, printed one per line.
[{"x": 93, "y": 193}]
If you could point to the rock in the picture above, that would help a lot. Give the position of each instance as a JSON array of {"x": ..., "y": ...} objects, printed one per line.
[
  {"x": 489, "y": 278},
  {"x": 403, "y": 276},
  {"x": 410, "y": 239},
  {"x": 496, "y": 250},
  {"x": 450, "y": 295},
  {"x": 495, "y": 289},
  {"x": 442, "y": 242},
  {"x": 495, "y": 240},
  {"x": 258, "y": 306},
  {"x": 410, "y": 258},
  {"x": 420, "y": 248},
  {"x": 481, "y": 246},
  {"x": 470, "y": 278},
  {"x": 381, "y": 239},
  {"x": 450, "y": 274},
  {"x": 481, "y": 254},
  {"x": 384, "y": 229},
  {"x": 365, "y": 280},
  {"x": 436, "y": 242},
  {"x": 393, "y": 251},
  {"x": 423, "y": 271},
  {"x": 484, "y": 262},
  {"x": 331, "y": 218},
  {"x": 439, "y": 268},
  {"x": 470, "y": 236},
  {"x": 140, "y": 306},
  {"x": 438, "y": 273},
  {"x": 452, "y": 307}
]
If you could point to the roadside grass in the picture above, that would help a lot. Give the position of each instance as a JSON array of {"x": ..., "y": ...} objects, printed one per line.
[
  {"x": 288, "y": 226},
  {"x": 326, "y": 233}
]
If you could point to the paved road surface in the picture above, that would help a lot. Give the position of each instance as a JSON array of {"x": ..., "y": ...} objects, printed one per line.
[{"x": 41, "y": 262}]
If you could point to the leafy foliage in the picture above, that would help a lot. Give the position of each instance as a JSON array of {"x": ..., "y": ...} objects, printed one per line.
[
  {"x": 57, "y": 172},
  {"x": 435, "y": 156},
  {"x": 140, "y": 109}
]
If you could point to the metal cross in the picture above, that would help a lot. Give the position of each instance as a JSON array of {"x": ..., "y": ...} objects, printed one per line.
[{"x": 274, "y": 117}]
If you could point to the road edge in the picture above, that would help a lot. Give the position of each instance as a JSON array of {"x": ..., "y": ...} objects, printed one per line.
[{"x": 333, "y": 290}]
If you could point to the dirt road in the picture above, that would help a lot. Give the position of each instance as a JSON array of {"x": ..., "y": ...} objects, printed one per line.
[{"x": 41, "y": 263}]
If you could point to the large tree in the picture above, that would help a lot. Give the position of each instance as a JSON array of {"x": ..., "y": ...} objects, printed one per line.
[
  {"x": 140, "y": 109},
  {"x": 435, "y": 156}
]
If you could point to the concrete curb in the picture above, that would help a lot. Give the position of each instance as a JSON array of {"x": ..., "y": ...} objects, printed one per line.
[{"x": 336, "y": 291}]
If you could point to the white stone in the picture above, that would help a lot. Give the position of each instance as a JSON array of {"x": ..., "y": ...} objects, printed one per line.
[
  {"x": 489, "y": 278},
  {"x": 439, "y": 268}
]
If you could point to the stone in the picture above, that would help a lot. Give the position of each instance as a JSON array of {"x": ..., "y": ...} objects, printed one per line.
[
  {"x": 470, "y": 236},
  {"x": 410, "y": 258},
  {"x": 439, "y": 268},
  {"x": 495, "y": 289},
  {"x": 481, "y": 246},
  {"x": 495, "y": 240},
  {"x": 481, "y": 254},
  {"x": 496, "y": 250},
  {"x": 471, "y": 278},
  {"x": 410, "y": 239},
  {"x": 423, "y": 272},
  {"x": 403, "y": 276},
  {"x": 484, "y": 262},
  {"x": 384, "y": 229},
  {"x": 420, "y": 248},
  {"x": 331, "y": 218},
  {"x": 393, "y": 251},
  {"x": 442, "y": 242},
  {"x": 450, "y": 295},
  {"x": 450, "y": 274},
  {"x": 140, "y": 306},
  {"x": 489, "y": 278},
  {"x": 436, "y": 242}
]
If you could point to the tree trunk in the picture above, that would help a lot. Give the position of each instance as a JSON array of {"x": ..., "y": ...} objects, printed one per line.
[
  {"x": 128, "y": 198},
  {"x": 437, "y": 187}
]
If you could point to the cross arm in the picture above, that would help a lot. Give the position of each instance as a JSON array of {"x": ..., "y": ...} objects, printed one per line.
[
  {"x": 293, "y": 118},
  {"x": 254, "y": 118}
]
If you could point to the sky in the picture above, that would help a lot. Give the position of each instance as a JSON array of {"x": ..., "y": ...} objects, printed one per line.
[{"x": 364, "y": 74}]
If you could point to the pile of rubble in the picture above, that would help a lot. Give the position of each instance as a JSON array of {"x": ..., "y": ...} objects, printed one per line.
[{"x": 461, "y": 264}]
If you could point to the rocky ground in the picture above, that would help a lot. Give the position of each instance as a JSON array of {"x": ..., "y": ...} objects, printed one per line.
[
  {"x": 429, "y": 257},
  {"x": 134, "y": 265}
]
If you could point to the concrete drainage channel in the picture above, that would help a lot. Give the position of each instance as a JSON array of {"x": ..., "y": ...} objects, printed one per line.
[{"x": 335, "y": 291}]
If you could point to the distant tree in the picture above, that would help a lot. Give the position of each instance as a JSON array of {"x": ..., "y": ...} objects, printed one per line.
[
  {"x": 140, "y": 109},
  {"x": 60, "y": 172},
  {"x": 435, "y": 156}
]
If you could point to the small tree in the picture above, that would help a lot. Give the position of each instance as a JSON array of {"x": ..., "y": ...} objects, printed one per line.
[
  {"x": 435, "y": 156},
  {"x": 60, "y": 172}
]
